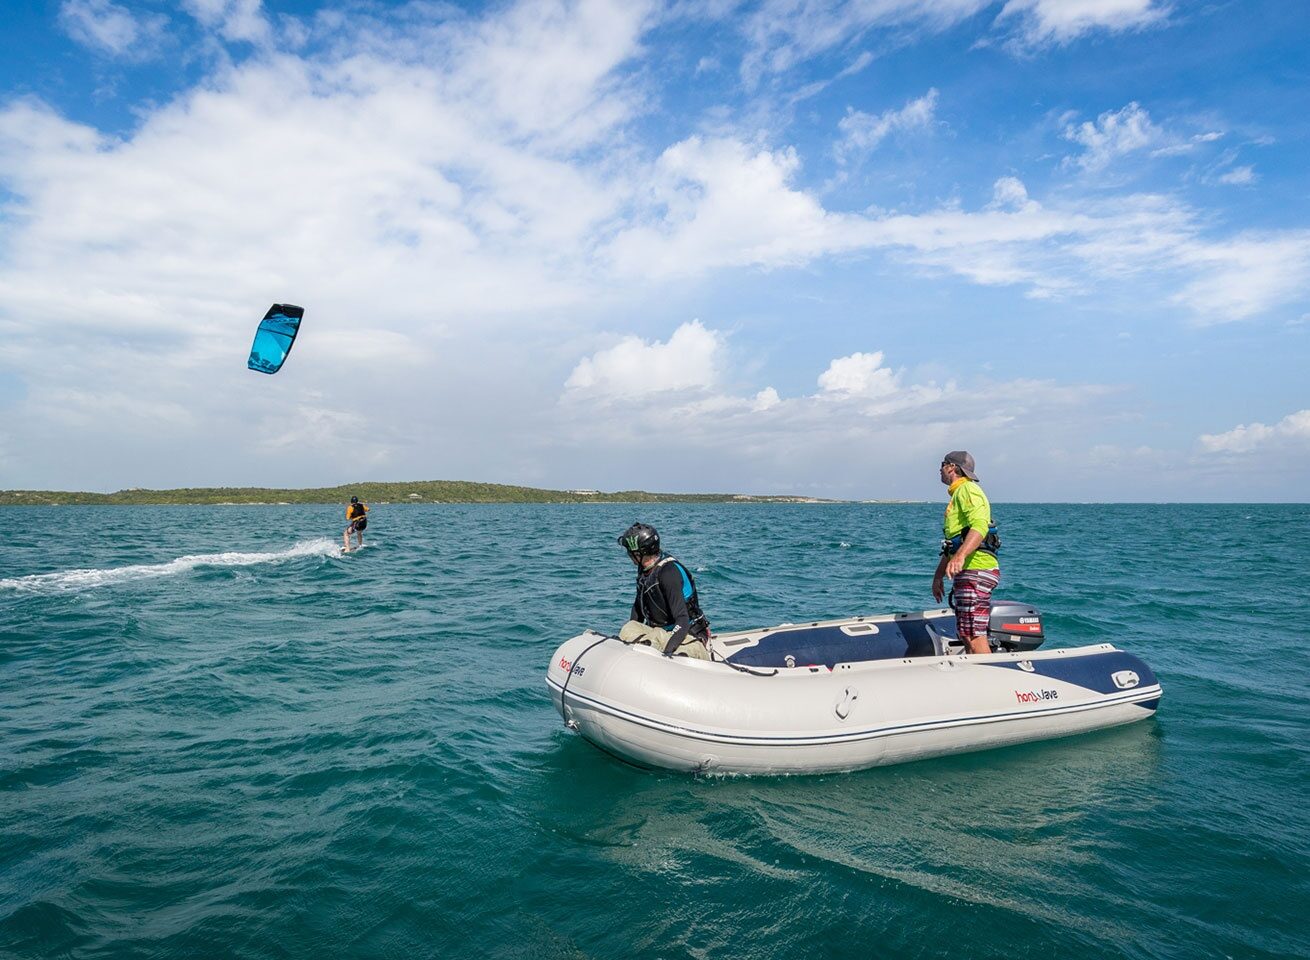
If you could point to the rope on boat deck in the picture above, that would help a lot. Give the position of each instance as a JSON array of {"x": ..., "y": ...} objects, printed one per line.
[{"x": 741, "y": 669}]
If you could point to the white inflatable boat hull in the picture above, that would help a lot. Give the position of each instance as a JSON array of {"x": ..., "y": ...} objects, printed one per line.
[{"x": 692, "y": 715}]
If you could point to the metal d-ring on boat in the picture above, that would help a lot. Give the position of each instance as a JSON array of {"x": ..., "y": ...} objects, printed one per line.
[{"x": 841, "y": 695}]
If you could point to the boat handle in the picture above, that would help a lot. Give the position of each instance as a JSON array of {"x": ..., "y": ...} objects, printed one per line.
[{"x": 843, "y": 707}]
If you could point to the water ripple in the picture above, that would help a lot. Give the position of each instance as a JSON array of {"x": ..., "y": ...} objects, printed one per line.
[{"x": 220, "y": 737}]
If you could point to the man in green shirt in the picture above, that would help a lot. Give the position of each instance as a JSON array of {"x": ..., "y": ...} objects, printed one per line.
[{"x": 969, "y": 548}]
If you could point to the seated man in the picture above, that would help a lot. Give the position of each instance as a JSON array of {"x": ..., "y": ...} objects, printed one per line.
[{"x": 666, "y": 614}]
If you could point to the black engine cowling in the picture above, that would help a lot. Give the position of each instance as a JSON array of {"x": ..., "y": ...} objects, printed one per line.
[{"x": 1015, "y": 626}]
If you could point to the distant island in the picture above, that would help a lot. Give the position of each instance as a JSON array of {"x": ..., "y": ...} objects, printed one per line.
[{"x": 422, "y": 491}]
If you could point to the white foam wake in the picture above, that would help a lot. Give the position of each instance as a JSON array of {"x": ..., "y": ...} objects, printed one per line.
[{"x": 90, "y": 579}]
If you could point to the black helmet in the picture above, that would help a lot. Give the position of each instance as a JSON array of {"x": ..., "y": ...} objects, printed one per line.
[
  {"x": 354, "y": 499},
  {"x": 640, "y": 540}
]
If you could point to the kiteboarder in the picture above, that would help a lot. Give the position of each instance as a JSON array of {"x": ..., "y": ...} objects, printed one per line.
[{"x": 356, "y": 522}]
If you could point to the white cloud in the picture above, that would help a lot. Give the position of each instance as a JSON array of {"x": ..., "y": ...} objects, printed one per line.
[
  {"x": 873, "y": 423},
  {"x": 310, "y": 422},
  {"x": 1245, "y": 275},
  {"x": 110, "y": 28},
  {"x": 235, "y": 20},
  {"x": 766, "y": 399},
  {"x": 1130, "y": 130},
  {"x": 149, "y": 409},
  {"x": 1009, "y": 193},
  {"x": 546, "y": 69},
  {"x": 1240, "y": 439},
  {"x": 1294, "y": 428},
  {"x": 1061, "y": 21},
  {"x": 32, "y": 135},
  {"x": 1108, "y": 456},
  {"x": 720, "y": 203},
  {"x": 1113, "y": 134},
  {"x": 1063, "y": 251},
  {"x": 862, "y": 132},
  {"x": 1238, "y": 176},
  {"x": 875, "y": 390},
  {"x": 633, "y": 367},
  {"x": 783, "y": 33},
  {"x": 860, "y": 374}
]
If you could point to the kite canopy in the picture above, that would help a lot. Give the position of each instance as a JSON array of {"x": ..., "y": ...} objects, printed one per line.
[{"x": 273, "y": 340}]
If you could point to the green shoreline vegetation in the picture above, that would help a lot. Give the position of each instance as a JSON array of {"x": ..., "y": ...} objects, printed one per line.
[{"x": 422, "y": 491}]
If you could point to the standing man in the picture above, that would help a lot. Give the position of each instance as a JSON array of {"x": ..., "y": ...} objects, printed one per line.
[
  {"x": 666, "y": 613},
  {"x": 969, "y": 548},
  {"x": 356, "y": 521}
]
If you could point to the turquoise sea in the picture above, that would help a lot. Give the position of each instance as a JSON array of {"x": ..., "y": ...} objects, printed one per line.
[{"x": 221, "y": 738}]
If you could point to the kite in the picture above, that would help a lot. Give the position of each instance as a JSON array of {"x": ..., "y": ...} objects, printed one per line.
[{"x": 273, "y": 340}]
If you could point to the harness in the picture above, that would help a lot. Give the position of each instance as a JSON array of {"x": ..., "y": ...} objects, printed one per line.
[
  {"x": 699, "y": 625},
  {"x": 990, "y": 543}
]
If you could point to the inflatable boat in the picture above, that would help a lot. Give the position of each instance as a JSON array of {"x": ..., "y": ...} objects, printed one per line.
[{"x": 842, "y": 695}]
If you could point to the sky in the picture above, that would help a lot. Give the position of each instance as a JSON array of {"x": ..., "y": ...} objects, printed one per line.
[{"x": 776, "y": 247}]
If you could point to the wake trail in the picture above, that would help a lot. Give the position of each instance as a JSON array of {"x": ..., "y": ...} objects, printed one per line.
[{"x": 90, "y": 579}]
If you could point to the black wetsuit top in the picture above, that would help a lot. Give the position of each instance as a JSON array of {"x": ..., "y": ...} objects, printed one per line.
[{"x": 667, "y": 598}]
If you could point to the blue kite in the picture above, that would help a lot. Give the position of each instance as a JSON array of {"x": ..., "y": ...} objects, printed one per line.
[{"x": 273, "y": 340}]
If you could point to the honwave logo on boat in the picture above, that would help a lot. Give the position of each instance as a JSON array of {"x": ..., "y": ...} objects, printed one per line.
[
  {"x": 568, "y": 667},
  {"x": 1036, "y": 696},
  {"x": 1125, "y": 679}
]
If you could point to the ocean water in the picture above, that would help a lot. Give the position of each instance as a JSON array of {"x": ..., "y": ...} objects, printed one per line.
[{"x": 221, "y": 738}]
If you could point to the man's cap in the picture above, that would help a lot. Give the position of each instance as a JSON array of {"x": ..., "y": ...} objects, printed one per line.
[
  {"x": 962, "y": 460},
  {"x": 356, "y": 499}
]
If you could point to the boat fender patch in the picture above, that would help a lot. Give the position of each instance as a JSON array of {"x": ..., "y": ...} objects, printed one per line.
[{"x": 1125, "y": 679}]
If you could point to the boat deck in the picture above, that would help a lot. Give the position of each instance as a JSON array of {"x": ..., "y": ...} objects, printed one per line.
[{"x": 850, "y": 641}]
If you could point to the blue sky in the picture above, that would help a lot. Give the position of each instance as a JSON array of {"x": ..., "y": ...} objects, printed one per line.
[{"x": 773, "y": 247}]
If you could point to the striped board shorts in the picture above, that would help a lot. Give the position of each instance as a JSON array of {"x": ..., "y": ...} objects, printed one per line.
[{"x": 971, "y": 596}]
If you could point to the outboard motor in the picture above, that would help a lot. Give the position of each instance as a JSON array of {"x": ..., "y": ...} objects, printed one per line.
[{"x": 1015, "y": 626}]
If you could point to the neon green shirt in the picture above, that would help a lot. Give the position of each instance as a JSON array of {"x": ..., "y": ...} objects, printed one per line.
[{"x": 969, "y": 509}]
